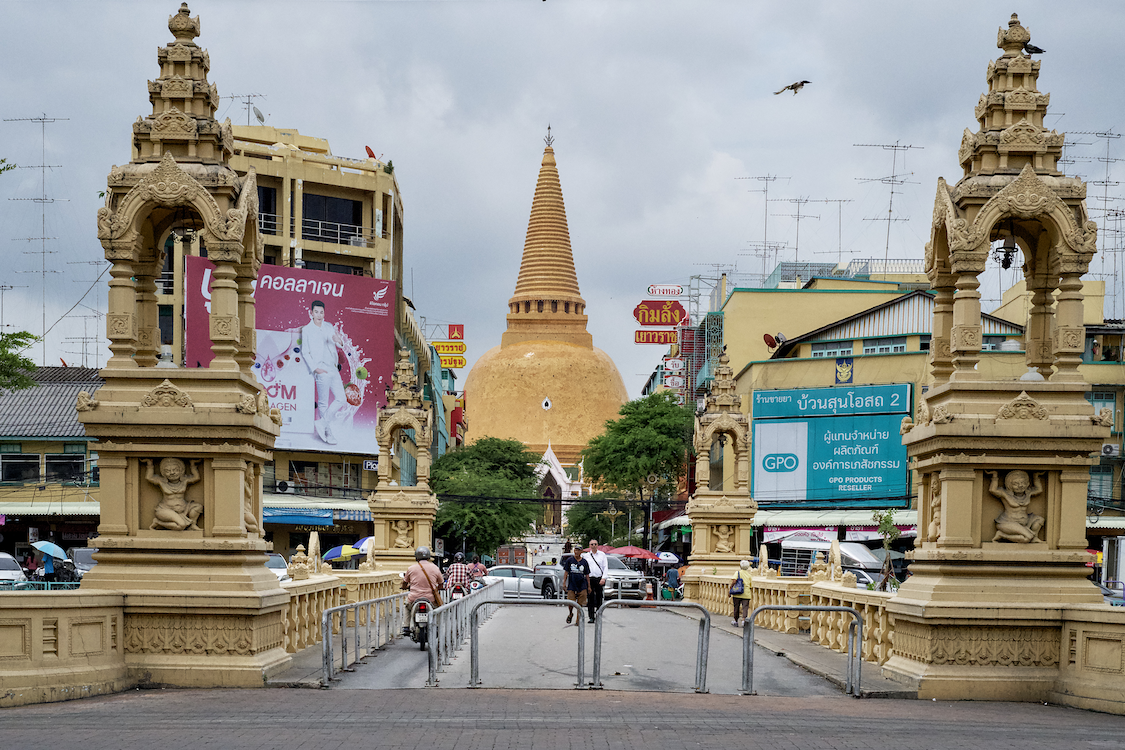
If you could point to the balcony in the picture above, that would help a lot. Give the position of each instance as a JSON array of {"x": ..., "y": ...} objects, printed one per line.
[{"x": 339, "y": 234}]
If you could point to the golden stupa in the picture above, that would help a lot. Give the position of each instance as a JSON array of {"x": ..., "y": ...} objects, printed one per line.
[{"x": 546, "y": 384}]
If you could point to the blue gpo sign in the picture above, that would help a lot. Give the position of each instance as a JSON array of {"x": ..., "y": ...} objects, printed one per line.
[{"x": 832, "y": 444}]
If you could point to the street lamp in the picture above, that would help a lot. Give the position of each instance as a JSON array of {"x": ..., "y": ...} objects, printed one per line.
[{"x": 613, "y": 514}]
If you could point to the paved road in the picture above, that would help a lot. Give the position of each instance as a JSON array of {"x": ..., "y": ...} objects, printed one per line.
[
  {"x": 643, "y": 649},
  {"x": 542, "y": 720}
]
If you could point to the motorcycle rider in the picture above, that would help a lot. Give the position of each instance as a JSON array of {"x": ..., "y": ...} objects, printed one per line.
[
  {"x": 458, "y": 574},
  {"x": 423, "y": 579}
]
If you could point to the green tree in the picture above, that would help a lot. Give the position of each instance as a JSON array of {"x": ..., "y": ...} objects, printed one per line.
[
  {"x": 489, "y": 468},
  {"x": 15, "y": 368},
  {"x": 649, "y": 441},
  {"x": 885, "y": 520},
  {"x": 5, "y": 166}
]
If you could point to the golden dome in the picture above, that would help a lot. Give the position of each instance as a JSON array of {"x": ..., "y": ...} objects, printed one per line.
[
  {"x": 545, "y": 383},
  {"x": 542, "y": 392}
]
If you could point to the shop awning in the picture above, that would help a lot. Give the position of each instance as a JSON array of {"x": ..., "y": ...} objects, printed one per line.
[
  {"x": 76, "y": 508},
  {"x": 336, "y": 509},
  {"x": 298, "y": 516},
  {"x": 822, "y": 518}
]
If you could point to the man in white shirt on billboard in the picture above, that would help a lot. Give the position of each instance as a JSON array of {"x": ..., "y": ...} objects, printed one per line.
[{"x": 318, "y": 344}]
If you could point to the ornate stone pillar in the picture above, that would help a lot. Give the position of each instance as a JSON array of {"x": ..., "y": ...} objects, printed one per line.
[
  {"x": 1070, "y": 334},
  {"x": 225, "y": 327},
  {"x": 941, "y": 338},
  {"x": 247, "y": 338},
  {"x": 1037, "y": 336},
  {"x": 148, "y": 316},
  {"x": 120, "y": 320},
  {"x": 966, "y": 333}
]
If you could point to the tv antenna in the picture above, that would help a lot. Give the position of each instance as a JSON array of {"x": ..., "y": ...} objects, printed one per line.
[
  {"x": 768, "y": 252},
  {"x": 893, "y": 180},
  {"x": 798, "y": 202},
  {"x": 765, "y": 190},
  {"x": 839, "y": 225},
  {"x": 248, "y": 102},
  {"x": 42, "y": 200},
  {"x": 5, "y": 288}
]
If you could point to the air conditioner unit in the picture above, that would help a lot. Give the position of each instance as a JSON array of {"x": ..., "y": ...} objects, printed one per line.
[
  {"x": 357, "y": 240},
  {"x": 1111, "y": 450},
  {"x": 285, "y": 488}
]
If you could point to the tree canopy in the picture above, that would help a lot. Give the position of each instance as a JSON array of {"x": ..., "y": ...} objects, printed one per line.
[
  {"x": 488, "y": 468},
  {"x": 651, "y": 437},
  {"x": 15, "y": 369}
]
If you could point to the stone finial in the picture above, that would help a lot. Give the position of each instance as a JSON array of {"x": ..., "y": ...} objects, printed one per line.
[
  {"x": 298, "y": 568},
  {"x": 183, "y": 26},
  {"x": 1012, "y": 40}
]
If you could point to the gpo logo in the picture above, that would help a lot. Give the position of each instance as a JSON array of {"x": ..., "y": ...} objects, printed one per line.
[{"x": 780, "y": 462}]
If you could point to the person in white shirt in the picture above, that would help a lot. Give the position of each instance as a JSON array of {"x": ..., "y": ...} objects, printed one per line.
[
  {"x": 599, "y": 565},
  {"x": 318, "y": 345}
]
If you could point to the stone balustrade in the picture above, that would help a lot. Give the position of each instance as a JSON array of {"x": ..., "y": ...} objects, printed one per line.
[
  {"x": 712, "y": 592},
  {"x": 308, "y": 598},
  {"x": 830, "y": 629},
  {"x": 61, "y": 645},
  {"x": 362, "y": 586}
]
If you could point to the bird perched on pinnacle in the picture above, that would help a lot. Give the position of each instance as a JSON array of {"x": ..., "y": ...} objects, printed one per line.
[
  {"x": 1031, "y": 49},
  {"x": 794, "y": 87}
]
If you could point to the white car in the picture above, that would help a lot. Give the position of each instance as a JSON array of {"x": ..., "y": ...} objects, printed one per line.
[
  {"x": 519, "y": 581},
  {"x": 10, "y": 570},
  {"x": 276, "y": 564}
]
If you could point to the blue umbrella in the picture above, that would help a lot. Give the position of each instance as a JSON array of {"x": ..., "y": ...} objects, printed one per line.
[
  {"x": 364, "y": 543},
  {"x": 50, "y": 548},
  {"x": 343, "y": 552}
]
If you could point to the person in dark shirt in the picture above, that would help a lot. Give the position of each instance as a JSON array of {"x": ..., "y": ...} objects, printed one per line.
[{"x": 577, "y": 581}]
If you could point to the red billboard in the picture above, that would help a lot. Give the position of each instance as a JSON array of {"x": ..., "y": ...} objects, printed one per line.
[
  {"x": 325, "y": 350},
  {"x": 651, "y": 312}
]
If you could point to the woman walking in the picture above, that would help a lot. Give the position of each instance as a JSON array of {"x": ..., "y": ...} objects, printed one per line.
[{"x": 740, "y": 592}]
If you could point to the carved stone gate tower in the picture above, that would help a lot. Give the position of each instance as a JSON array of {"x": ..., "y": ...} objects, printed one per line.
[
  {"x": 1004, "y": 465},
  {"x": 181, "y": 450}
]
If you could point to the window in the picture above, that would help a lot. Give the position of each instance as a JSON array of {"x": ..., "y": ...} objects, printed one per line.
[
  {"x": 19, "y": 467},
  {"x": 165, "y": 323},
  {"x": 267, "y": 210},
  {"x": 11, "y": 448},
  {"x": 74, "y": 448},
  {"x": 1101, "y": 482},
  {"x": 884, "y": 346},
  {"x": 349, "y": 270},
  {"x": 1104, "y": 399},
  {"x": 924, "y": 343},
  {"x": 315, "y": 265},
  {"x": 65, "y": 467},
  {"x": 832, "y": 349},
  {"x": 330, "y": 219},
  {"x": 991, "y": 343}
]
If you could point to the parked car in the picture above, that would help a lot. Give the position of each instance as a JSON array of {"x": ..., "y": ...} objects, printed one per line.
[
  {"x": 10, "y": 570},
  {"x": 276, "y": 564},
  {"x": 550, "y": 580},
  {"x": 519, "y": 581},
  {"x": 622, "y": 582},
  {"x": 1112, "y": 597},
  {"x": 83, "y": 559}
]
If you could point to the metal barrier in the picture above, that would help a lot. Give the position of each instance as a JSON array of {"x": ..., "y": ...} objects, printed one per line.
[
  {"x": 855, "y": 638},
  {"x": 449, "y": 624},
  {"x": 389, "y": 617},
  {"x": 701, "y": 651},
  {"x": 39, "y": 585},
  {"x": 474, "y": 648}
]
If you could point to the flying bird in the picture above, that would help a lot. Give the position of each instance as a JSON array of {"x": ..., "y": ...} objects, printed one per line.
[
  {"x": 1031, "y": 49},
  {"x": 794, "y": 87}
]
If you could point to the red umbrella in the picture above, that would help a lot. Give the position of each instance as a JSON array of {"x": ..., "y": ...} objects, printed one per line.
[{"x": 637, "y": 552}]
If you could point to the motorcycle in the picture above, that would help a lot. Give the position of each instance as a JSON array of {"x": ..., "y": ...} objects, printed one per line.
[
  {"x": 419, "y": 622},
  {"x": 458, "y": 591}
]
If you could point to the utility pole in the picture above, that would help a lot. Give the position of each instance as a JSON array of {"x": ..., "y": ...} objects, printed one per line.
[
  {"x": 248, "y": 102},
  {"x": 42, "y": 200},
  {"x": 893, "y": 180}
]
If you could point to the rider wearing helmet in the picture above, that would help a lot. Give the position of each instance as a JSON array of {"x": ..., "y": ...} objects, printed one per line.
[
  {"x": 422, "y": 579},
  {"x": 458, "y": 574}
]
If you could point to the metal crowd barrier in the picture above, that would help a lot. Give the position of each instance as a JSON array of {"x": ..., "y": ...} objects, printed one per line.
[
  {"x": 474, "y": 650},
  {"x": 701, "y": 650},
  {"x": 449, "y": 624},
  {"x": 39, "y": 585},
  {"x": 389, "y": 617},
  {"x": 855, "y": 642}
]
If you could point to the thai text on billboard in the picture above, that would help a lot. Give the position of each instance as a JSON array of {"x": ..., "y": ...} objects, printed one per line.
[
  {"x": 325, "y": 350},
  {"x": 840, "y": 445}
]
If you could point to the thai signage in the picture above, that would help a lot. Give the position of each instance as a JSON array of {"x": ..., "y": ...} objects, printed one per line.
[
  {"x": 830, "y": 444},
  {"x": 325, "y": 350},
  {"x": 673, "y": 364},
  {"x": 454, "y": 363},
  {"x": 665, "y": 290},
  {"x": 449, "y": 347},
  {"x": 654, "y": 337},
  {"x": 652, "y": 312},
  {"x": 456, "y": 331},
  {"x": 673, "y": 381}
]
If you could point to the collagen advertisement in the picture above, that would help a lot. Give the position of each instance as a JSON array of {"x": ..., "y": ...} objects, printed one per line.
[{"x": 325, "y": 351}]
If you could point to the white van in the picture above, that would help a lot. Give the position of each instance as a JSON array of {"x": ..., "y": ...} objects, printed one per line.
[{"x": 797, "y": 555}]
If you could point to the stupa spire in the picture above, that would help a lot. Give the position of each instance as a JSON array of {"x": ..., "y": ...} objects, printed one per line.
[{"x": 547, "y": 303}]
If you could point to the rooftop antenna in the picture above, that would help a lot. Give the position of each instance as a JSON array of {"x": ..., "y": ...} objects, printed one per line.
[
  {"x": 798, "y": 202},
  {"x": 894, "y": 179},
  {"x": 42, "y": 200},
  {"x": 6, "y": 288},
  {"x": 248, "y": 102},
  {"x": 768, "y": 252},
  {"x": 839, "y": 225},
  {"x": 765, "y": 190}
]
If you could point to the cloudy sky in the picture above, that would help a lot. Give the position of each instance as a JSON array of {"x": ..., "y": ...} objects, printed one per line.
[{"x": 660, "y": 110}]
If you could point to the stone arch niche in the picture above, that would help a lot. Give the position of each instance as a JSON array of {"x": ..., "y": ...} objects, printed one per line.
[
  {"x": 403, "y": 514},
  {"x": 181, "y": 450},
  {"x": 721, "y": 518},
  {"x": 1002, "y": 464}
]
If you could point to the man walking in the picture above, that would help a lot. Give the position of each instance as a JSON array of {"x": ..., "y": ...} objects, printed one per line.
[
  {"x": 599, "y": 566},
  {"x": 577, "y": 581}
]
